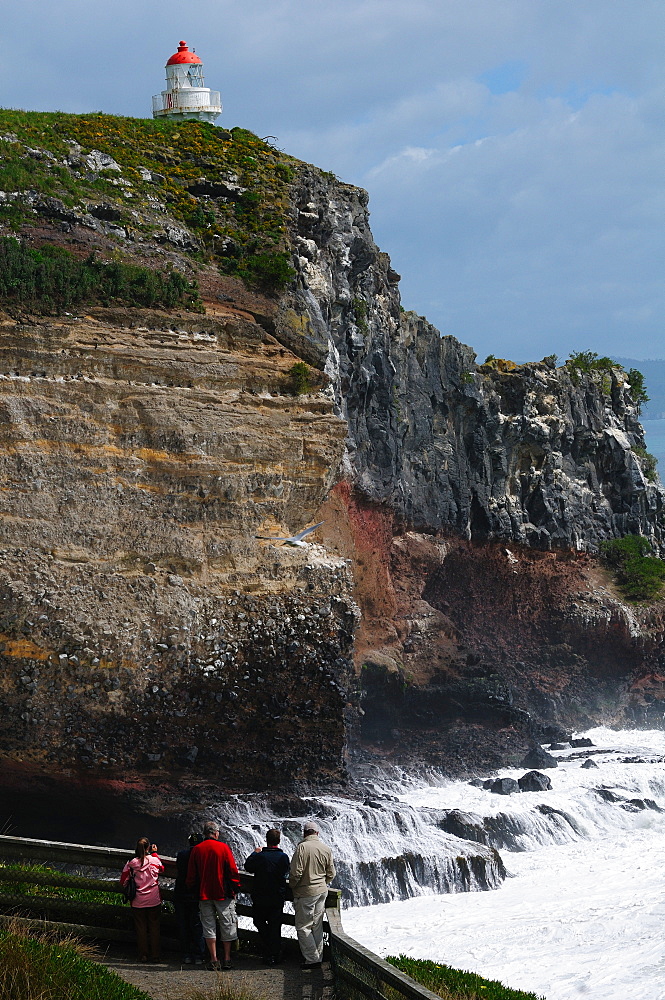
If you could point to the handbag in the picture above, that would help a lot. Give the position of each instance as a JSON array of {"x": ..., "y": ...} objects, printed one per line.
[{"x": 129, "y": 888}]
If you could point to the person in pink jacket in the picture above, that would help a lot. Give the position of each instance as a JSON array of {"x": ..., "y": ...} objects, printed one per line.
[{"x": 147, "y": 904}]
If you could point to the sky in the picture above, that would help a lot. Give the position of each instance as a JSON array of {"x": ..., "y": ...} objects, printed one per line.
[{"x": 513, "y": 150}]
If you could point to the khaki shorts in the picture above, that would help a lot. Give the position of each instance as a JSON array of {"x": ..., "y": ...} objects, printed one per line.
[{"x": 225, "y": 909}]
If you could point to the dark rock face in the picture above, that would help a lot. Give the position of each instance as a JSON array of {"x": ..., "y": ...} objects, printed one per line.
[
  {"x": 589, "y": 763},
  {"x": 583, "y": 741},
  {"x": 504, "y": 786},
  {"x": 537, "y": 757},
  {"x": 519, "y": 453},
  {"x": 534, "y": 781}
]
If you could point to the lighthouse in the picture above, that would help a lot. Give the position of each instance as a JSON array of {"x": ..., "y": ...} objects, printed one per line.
[{"x": 186, "y": 98}]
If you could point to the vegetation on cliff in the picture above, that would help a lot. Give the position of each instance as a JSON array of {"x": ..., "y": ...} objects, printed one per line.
[
  {"x": 228, "y": 188},
  {"x": 640, "y": 574},
  {"x": 51, "y": 279},
  {"x": 452, "y": 984},
  {"x": 581, "y": 363}
]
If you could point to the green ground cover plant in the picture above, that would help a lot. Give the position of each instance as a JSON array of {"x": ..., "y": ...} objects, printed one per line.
[
  {"x": 639, "y": 574},
  {"x": 230, "y": 188},
  {"x": 452, "y": 984},
  {"x": 34, "y": 890},
  {"x": 51, "y": 279},
  {"x": 41, "y": 967}
]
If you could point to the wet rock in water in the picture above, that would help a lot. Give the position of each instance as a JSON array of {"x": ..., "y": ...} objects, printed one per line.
[
  {"x": 504, "y": 786},
  {"x": 537, "y": 757},
  {"x": 589, "y": 763},
  {"x": 558, "y": 746},
  {"x": 487, "y": 784},
  {"x": 465, "y": 825},
  {"x": 534, "y": 781},
  {"x": 583, "y": 741},
  {"x": 477, "y": 783}
]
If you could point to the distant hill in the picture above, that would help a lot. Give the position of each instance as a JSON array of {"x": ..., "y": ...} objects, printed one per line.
[{"x": 654, "y": 377}]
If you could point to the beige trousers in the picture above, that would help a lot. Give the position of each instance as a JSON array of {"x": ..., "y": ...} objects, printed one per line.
[{"x": 309, "y": 925}]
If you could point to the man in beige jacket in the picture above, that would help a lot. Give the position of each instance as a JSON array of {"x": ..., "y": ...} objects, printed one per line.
[{"x": 312, "y": 871}]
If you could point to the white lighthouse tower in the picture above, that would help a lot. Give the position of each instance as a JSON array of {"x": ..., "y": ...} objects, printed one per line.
[{"x": 186, "y": 98}]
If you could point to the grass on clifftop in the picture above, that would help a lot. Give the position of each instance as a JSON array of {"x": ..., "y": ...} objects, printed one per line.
[
  {"x": 39, "y": 967},
  {"x": 228, "y": 188},
  {"x": 452, "y": 984}
]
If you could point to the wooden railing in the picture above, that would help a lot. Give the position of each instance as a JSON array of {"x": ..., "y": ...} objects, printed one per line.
[{"x": 358, "y": 972}]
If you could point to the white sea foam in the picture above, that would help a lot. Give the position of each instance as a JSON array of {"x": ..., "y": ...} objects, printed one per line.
[{"x": 583, "y": 914}]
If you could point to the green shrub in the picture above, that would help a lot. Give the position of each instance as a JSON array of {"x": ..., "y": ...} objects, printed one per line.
[
  {"x": 51, "y": 279},
  {"x": 300, "y": 379},
  {"x": 360, "y": 313},
  {"x": 648, "y": 462},
  {"x": 639, "y": 575},
  {"x": 269, "y": 272},
  {"x": 589, "y": 363},
  {"x": 638, "y": 390},
  {"x": 284, "y": 172},
  {"x": 453, "y": 984},
  {"x": 39, "y": 967}
]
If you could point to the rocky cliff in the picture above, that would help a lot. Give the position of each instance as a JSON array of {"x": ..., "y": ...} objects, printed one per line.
[{"x": 148, "y": 635}]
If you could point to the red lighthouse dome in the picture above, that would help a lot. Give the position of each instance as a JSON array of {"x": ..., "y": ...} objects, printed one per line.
[{"x": 183, "y": 55}]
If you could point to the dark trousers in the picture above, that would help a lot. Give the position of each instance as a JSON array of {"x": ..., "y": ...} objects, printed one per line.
[
  {"x": 267, "y": 917},
  {"x": 146, "y": 925},
  {"x": 189, "y": 928}
]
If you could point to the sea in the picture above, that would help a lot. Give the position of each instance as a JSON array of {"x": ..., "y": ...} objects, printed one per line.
[{"x": 582, "y": 911}]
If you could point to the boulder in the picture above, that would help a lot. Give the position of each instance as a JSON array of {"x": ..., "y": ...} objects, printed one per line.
[
  {"x": 534, "y": 781},
  {"x": 537, "y": 757},
  {"x": 583, "y": 741},
  {"x": 465, "y": 825},
  {"x": 504, "y": 786},
  {"x": 558, "y": 746},
  {"x": 589, "y": 763}
]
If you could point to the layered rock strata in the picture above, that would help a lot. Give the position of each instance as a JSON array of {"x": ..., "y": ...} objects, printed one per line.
[{"x": 143, "y": 624}]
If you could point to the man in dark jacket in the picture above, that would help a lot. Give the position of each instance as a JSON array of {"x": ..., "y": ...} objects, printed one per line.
[
  {"x": 270, "y": 868},
  {"x": 186, "y": 903}
]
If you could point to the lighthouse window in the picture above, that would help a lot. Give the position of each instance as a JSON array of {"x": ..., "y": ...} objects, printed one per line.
[{"x": 195, "y": 76}]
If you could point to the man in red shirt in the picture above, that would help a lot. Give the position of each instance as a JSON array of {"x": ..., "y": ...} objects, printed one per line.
[{"x": 213, "y": 870}]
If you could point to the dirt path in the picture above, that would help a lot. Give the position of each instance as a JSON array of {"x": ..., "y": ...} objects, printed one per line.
[{"x": 169, "y": 980}]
